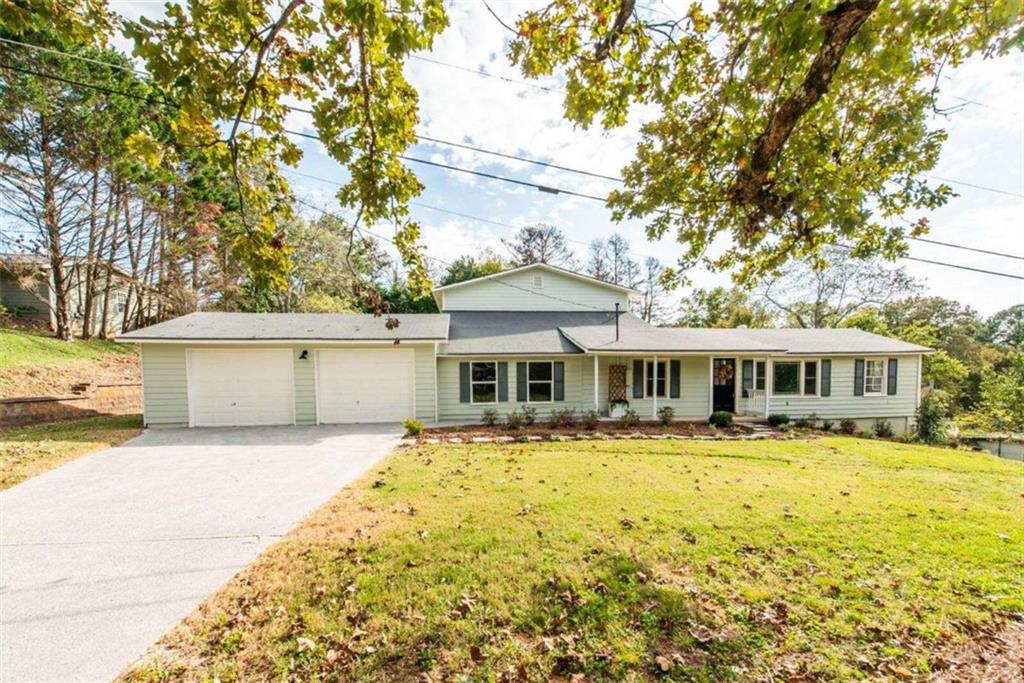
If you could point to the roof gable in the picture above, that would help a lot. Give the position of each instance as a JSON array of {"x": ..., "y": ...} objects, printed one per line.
[{"x": 535, "y": 287}]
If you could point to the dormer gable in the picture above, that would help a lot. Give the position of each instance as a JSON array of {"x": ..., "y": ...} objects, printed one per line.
[{"x": 536, "y": 287}]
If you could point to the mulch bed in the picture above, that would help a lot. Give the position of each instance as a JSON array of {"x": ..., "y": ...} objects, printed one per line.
[{"x": 604, "y": 430}]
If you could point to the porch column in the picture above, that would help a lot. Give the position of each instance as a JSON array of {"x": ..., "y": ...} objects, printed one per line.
[
  {"x": 654, "y": 393},
  {"x": 596, "y": 404},
  {"x": 767, "y": 386}
]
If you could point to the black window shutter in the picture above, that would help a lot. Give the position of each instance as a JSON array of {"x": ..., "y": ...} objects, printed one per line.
[
  {"x": 463, "y": 382},
  {"x": 559, "y": 381},
  {"x": 893, "y": 367},
  {"x": 502, "y": 382},
  {"x": 858, "y": 377},
  {"x": 674, "y": 370},
  {"x": 748, "y": 378},
  {"x": 520, "y": 382},
  {"x": 826, "y": 378},
  {"x": 638, "y": 379}
]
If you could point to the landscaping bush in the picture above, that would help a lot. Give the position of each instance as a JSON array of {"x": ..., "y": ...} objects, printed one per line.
[
  {"x": 883, "y": 429},
  {"x": 806, "y": 422},
  {"x": 827, "y": 425},
  {"x": 529, "y": 415},
  {"x": 490, "y": 417},
  {"x": 720, "y": 418},
  {"x": 514, "y": 419},
  {"x": 589, "y": 419},
  {"x": 848, "y": 426},
  {"x": 666, "y": 414},
  {"x": 412, "y": 427},
  {"x": 565, "y": 417},
  {"x": 778, "y": 419},
  {"x": 932, "y": 417},
  {"x": 630, "y": 418},
  {"x": 866, "y": 434}
]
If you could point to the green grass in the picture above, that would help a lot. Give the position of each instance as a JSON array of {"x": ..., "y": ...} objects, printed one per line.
[
  {"x": 27, "y": 348},
  {"x": 625, "y": 560},
  {"x": 28, "y": 451}
]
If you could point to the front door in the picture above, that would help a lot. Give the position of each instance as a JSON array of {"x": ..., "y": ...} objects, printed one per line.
[{"x": 723, "y": 374}]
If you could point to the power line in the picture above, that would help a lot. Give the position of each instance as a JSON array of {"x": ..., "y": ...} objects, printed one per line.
[
  {"x": 478, "y": 72},
  {"x": 439, "y": 141},
  {"x": 543, "y": 188},
  {"x": 443, "y": 262},
  {"x": 978, "y": 187},
  {"x": 960, "y": 246}
]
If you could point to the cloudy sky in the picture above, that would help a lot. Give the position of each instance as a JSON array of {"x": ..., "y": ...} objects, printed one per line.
[{"x": 502, "y": 112}]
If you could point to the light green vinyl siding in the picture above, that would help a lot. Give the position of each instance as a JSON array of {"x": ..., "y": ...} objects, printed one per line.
[
  {"x": 305, "y": 386},
  {"x": 517, "y": 292},
  {"x": 425, "y": 369},
  {"x": 842, "y": 403},
  {"x": 164, "y": 385},
  {"x": 694, "y": 387},
  {"x": 576, "y": 386}
]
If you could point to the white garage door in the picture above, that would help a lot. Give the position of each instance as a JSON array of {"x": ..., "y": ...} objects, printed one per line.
[
  {"x": 240, "y": 387},
  {"x": 364, "y": 385}
]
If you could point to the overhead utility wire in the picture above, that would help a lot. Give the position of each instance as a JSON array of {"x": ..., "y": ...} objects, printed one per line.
[
  {"x": 482, "y": 150},
  {"x": 443, "y": 262},
  {"x": 542, "y": 188}
]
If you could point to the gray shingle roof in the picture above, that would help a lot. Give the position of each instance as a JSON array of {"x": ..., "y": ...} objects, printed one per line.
[
  {"x": 636, "y": 335},
  {"x": 828, "y": 340},
  {"x": 639, "y": 336},
  {"x": 504, "y": 333},
  {"x": 293, "y": 326}
]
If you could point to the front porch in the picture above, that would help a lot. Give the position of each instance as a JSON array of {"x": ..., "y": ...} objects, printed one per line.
[{"x": 693, "y": 385}]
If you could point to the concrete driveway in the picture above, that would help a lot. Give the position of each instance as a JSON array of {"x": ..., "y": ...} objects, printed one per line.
[{"x": 102, "y": 556}]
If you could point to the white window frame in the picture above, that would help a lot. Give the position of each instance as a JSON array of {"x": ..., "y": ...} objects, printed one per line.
[
  {"x": 660, "y": 378},
  {"x": 884, "y": 376},
  {"x": 550, "y": 382},
  {"x": 755, "y": 377},
  {"x": 801, "y": 373},
  {"x": 121, "y": 301},
  {"x": 473, "y": 382},
  {"x": 817, "y": 376},
  {"x": 799, "y": 377}
]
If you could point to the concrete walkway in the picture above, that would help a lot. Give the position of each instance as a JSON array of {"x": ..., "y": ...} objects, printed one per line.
[{"x": 102, "y": 556}]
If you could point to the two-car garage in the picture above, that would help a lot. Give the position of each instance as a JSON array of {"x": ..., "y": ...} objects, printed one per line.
[
  {"x": 246, "y": 387},
  {"x": 231, "y": 369}
]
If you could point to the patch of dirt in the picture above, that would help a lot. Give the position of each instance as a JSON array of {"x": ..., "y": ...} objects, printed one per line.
[
  {"x": 996, "y": 655},
  {"x": 58, "y": 380}
]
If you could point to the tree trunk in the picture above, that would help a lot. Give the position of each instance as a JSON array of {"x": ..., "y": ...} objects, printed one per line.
[
  {"x": 58, "y": 279},
  {"x": 91, "y": 270}
]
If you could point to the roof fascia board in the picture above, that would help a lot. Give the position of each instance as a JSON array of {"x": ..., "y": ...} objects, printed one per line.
[
  {"x": 278, "y": 340},
  {"x": 546, "y": 266}
]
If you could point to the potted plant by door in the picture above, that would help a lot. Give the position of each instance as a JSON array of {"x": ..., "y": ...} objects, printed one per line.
[{"x": 616, "y": 409}]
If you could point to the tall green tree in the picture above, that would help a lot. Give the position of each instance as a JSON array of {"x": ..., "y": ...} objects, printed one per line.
[
  {"x": 787, "y": 126},
  {"x": 469, "y": 267},
  {"x": 723, "y": 307}
]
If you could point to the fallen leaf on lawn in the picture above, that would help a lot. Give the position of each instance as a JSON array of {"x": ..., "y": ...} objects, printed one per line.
[
  {"x": 627, "y": 523},
  {"x": 476, "y": 654},
  {"x": 378, "y": 483},
  {"x": 525, "y": 511},
  {"x": 701, "y": 633},
  {"x": 305, "y": 644},
  {"x": 663, "y": 662}
]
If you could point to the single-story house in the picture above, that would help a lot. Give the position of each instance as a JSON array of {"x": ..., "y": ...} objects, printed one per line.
[
  {"x": 536, "y": 335},
  {"x": 27, "y": 291}
]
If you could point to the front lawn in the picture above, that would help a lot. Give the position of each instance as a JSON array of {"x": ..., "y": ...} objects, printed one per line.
[
  {"x": 28, "y": 451},
  {"x": 826, "y": 558}
]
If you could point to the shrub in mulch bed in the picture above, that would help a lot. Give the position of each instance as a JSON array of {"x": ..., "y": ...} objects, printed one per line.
[{"x": 604, "y": 430}]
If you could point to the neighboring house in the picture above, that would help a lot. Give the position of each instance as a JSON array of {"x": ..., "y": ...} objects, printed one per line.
[
  {"x": 26, "y": 291},
  {"x": 536, "y": 335}
]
